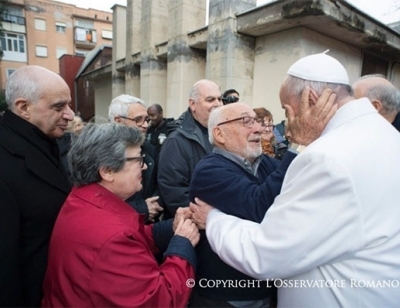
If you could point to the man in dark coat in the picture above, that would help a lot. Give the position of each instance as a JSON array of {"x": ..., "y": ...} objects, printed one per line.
[
  {"x": 33, "y": 182},
  {"x": 187, "y": 145},
  {"x": 131, "y": 111},
  {"x": 157, "y": 132}
]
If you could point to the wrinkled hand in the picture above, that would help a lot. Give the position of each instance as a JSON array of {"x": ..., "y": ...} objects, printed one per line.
[
  {"x": 188, "y": 229},
  {"x": 153, "y": 207},
  {"x": 184, "y": 212},
  {"x": 309, "y": 123},
  {"x": 200, "y": 211}
]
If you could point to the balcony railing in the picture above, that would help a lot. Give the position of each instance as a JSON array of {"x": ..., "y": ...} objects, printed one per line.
[{"x": 14, "y": 19}]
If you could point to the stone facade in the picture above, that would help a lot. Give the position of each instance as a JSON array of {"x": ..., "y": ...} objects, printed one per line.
[{"x": 165, "y": 46}]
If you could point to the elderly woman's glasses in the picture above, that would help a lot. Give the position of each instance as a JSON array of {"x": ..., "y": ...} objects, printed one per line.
[
  {"x": 246, "y": 121},
  {"x": 138, "y": 120},
  {"x": 138, "y": 158}
]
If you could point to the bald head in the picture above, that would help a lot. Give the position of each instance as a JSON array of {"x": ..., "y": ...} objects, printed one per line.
[
  {"x": 204, "y": 96},
  {"x": 233, "y": 128},
  {"x": 380, "y": 91},
  {"x": 40, "y": 97},
  {"x": 30, "y": 82}
]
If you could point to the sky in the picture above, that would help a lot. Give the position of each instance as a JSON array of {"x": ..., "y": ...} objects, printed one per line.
[{"x": 384, "y": 10}]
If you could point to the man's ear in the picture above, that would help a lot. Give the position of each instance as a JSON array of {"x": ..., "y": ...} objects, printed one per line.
[
  {"x": 106, "y": 174},
  {"x": 117, "y": 119},
  {"x": 22, "y": 108},
  {"x": 219, "y": 135},
  {"x": 377, "y": 104},
  {"x": 192, "y": 105}
]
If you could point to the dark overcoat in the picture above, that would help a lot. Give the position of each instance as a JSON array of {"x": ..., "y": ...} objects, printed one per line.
[{"x": 33, "y": 187}]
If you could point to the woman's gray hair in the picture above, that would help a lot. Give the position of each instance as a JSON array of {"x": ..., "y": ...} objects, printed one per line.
[
  {"x": 100, "y": 145},
  {"x": 216, "y": 116},
  {"x": 295, "y": 86},
  {"x": 23, "y": 83},
  {"x": 119, "y": 106}
]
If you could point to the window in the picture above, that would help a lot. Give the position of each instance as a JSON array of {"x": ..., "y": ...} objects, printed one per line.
[
  {"x": 15, "y": 10},
  {"x": 60, "y": 51},
  {"x": 14, "y": 15},
  {"x": 107, "y": 34},
  {"x": 84, "y": 23},
  {"x": 40, "y": 24},
  {"x": 41, "y": 51},
  {"x": 374, "y": 65},
  {"x": 14, "y": 47},
  {"x": 85, "y": 35},
  {"x": 12, "y": 42},
  {"x": 60, "y": 27},
  {"x": 10, "y": 71}
]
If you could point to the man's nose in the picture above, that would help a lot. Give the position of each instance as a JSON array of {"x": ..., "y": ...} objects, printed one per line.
[
  {"x": 69, "y": 114},
  {"x": 145, "y": 124},
  {"x": 257, "y": 127}
]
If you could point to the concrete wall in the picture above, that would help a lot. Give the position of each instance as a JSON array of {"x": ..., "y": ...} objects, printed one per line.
[
  {"x": 119, "y": 49},
  {"x": 168, "y": 47},
  {"x": 275, "y": 53},
  {"x": 102, "y": 99},
  {"x": 185, "y": 65}
]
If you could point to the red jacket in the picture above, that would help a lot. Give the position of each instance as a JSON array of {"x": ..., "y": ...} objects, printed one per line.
[{"x": 101, "y": 254}]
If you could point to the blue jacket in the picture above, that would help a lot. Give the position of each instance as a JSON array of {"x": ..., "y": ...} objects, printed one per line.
[{"x": 229, "y": 187}]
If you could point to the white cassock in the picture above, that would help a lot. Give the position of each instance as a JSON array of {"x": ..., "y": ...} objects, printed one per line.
[{"x": 332, "y": 237}]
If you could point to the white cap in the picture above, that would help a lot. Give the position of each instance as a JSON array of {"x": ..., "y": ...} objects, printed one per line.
[{"x": 319, "y": 67}]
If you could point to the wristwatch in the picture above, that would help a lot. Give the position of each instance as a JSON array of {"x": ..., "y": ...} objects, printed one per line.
[{"x": 296, "y": 148}]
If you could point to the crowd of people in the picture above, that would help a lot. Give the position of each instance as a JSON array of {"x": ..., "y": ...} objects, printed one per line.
[{"x": 146, "y": 211}]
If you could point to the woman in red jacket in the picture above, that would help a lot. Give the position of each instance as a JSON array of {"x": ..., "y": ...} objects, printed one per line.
[{"x": 101, "y": 253}]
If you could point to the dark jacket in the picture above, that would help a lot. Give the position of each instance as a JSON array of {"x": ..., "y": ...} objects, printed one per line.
[
  {"x": 64, "y": 144},
  {"x": 150, "y": 187},
  {"x": 227, "y": 186},
  {"x": 179, "y": 156},
  {"x": 33, "y": 187},
  {"x": 157, "y": 135}
]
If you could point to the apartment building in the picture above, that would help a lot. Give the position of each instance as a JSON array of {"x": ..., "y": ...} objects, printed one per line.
[{"x": 39, "y": 32}]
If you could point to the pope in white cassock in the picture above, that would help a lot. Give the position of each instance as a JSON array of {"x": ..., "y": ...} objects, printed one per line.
[{"x": 332, "y": 237}]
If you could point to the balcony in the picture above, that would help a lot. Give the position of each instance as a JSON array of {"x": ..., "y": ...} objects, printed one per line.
[
  {"x": 85, "y": 38},
  {"x": 14, "y": 23},
  {"x": 14, "y": 19}
]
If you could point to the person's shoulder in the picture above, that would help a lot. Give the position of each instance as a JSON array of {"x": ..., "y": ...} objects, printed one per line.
[{"x": 213, "y": 161}]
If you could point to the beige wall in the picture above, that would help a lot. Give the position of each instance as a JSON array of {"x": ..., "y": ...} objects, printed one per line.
[
  {"x": 119, "y": 49},
  {"x": 277, "y": 52},
  {"x": 160, "y": 66},
  {"x": 102, "y": 99}
]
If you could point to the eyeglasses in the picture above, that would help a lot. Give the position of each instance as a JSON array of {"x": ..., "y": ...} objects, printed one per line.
[
  {"x": 269, "y": 126},
  {"x": 138, "y": 120},
  {"x": 246, "y": 121},
  {"x": 138, "y": 158}
]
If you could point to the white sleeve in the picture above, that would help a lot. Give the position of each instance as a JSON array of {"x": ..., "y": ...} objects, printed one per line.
[{"x": 316, "y": 219}]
